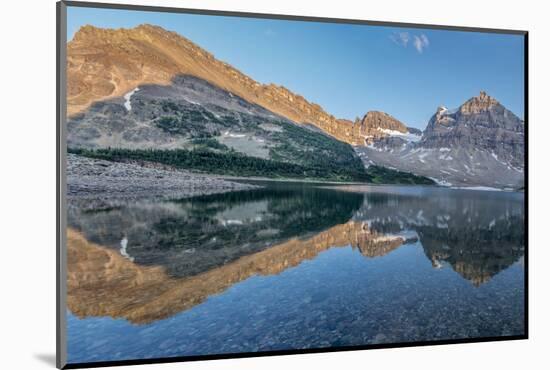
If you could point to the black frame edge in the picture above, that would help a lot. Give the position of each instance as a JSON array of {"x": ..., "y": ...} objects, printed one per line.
[
  {"x": 225, "y": 356},
  {"x": 61, "y": 42},
  {"x": 526, "y": 180}
]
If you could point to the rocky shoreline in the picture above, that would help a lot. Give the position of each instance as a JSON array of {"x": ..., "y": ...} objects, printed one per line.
[{"x": 99, "y": 183}]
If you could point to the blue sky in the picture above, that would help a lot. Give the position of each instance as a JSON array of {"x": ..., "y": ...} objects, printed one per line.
[{"x": 349, "y": 69}]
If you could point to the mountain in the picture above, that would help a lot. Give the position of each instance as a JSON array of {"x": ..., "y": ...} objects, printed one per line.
[
  {"x": 481, "y": 143},
  {"x": 163, "y": 99},
  {"x": 481, "y": 123},
  {"x": 212, "y": 130},
  {"x": 377, "y": 125},
  {"x": 148, "y": 88},
  {"x": 108, "y": 63}
]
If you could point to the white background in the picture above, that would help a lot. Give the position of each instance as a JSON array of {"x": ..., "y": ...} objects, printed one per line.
[{"x": 27, "y": 145}]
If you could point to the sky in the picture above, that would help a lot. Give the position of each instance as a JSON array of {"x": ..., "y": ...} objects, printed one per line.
[{"x": 349, "y": 69}]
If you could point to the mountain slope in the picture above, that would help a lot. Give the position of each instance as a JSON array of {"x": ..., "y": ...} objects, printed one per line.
[
  {"x": 481, "y": 123},
  {"x": 108, "y": 63},
  {"x": 194, "y": 124},
  {"x": 481, "y": 143}
]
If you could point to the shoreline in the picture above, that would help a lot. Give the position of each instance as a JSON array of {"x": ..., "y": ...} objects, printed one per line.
[
  {"x": 270, "y": 179},
  {"x": 361, "y": 188},
  {"x": 315, "y": 181},
  {"x": 96, "y": 183}
]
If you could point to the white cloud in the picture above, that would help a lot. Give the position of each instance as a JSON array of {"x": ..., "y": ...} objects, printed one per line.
[
  {"x": 400, "y": 38},
  {"x": 421, "y": 42}
]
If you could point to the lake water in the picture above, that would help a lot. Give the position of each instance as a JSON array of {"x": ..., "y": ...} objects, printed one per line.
[{"x": 293, "y": 266}]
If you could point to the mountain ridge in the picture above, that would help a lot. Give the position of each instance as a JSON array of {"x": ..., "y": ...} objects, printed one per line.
[
  {"x": 108, "y": 63},
  {"x": 480, "y": 143}
]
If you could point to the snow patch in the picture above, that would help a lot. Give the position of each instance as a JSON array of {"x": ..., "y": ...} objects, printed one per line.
[
  {"x": 230, "y": 134},
  {"x": 442, "y": 182},
  {"x": 517, "y": 169},
  {"x": 127, "y": 97},
  {"x": 480, "y": 188},
  {"x": 422, "y": 156},
  {"x": 192, "y": 102},
  {"x": 231, "y": 222},
  {"x": 405, "y": 136},
  {"x": 123, "y": 249},
  {"x": 403, "y": 235}
]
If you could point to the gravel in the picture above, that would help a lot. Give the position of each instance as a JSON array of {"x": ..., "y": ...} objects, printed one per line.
[{"x": 96, "y": 182}]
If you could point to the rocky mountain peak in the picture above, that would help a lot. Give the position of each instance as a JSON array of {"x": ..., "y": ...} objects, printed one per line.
[
  {"x": 88, "y": 33},
  {"x": 375, "y": 125},
  {"x": 441, "y": 109},
  {"x": 478, "y": 104},
  {"x": 480, "y": 143},
  {"x": 375, "y": 120}
]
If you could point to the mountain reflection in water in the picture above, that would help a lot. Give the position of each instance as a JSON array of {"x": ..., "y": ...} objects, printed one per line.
[{"x": 148, "y": 261}]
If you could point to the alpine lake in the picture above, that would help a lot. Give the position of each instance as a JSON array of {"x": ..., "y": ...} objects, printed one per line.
[{"x": 293, "y": 266}]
